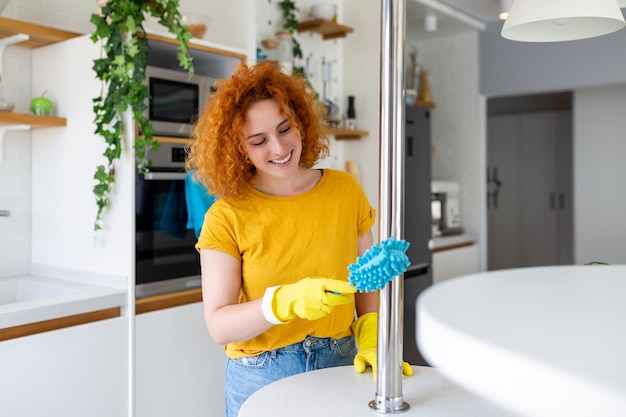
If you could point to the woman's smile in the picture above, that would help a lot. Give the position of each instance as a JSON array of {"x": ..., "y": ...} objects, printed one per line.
[{"x": 284, "y": 160}]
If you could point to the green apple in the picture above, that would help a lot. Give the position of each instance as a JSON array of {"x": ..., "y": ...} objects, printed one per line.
[{"x": 41, "y": 106}]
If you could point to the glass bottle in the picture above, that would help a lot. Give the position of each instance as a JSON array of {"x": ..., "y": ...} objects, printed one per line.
[
  {"x": 284, "y": 52},
  {"x": 425, "y": 94},
  {"x": 351, "y": 114}
]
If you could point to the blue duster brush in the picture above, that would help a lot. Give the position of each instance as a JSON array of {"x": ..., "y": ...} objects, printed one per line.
[{"x": 379, "y": 264}]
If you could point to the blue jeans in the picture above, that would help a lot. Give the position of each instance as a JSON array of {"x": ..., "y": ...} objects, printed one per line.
[{"x": 244, "y": 376}]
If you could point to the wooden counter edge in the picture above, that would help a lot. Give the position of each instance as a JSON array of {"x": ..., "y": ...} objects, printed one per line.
[
  {"x": 159, "y": 302},
  {"x": 58, "y": 323},
  {"x": 453, "y": 246}
]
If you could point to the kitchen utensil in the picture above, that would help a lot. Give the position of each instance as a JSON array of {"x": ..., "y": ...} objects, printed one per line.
[{"x": 331, "y": 107}]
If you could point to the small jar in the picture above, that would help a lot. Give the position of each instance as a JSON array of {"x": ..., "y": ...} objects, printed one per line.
[{"x": 284, "y": 52}]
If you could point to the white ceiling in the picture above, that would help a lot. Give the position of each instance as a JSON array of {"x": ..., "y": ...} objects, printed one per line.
[
  {"x": 485, "y": 10},
  {"x": 453, "y": 16}
]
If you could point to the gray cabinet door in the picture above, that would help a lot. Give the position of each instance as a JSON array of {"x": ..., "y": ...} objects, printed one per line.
[
  {"x": 529, "y": 195},
  {"x": 538, "y": 189},
  {"x": 504, "y": 192}
]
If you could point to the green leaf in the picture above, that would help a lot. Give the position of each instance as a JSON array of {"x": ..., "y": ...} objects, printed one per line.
[{"x": 121, "y": 70}]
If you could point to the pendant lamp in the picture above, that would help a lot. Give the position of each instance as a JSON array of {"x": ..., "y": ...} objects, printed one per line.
[{"x": 561, "y": 20}]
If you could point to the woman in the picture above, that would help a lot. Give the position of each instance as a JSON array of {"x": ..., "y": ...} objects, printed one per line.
[{"x": 276, "y": 245}]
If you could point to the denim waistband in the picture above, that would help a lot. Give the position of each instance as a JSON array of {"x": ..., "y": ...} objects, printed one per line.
[{"x": 309, "y": 344}]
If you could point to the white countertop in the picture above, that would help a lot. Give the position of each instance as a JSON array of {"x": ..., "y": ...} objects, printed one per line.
[
  {"x": 342, "y": 391},
  {"x": 543, "y": 341},
  {"x": 441, "y": 242},
  {"x": 53, "y": 293}
]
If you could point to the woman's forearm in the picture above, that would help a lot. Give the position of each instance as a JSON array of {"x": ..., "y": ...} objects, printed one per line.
[{"x": 236, "y": 322}]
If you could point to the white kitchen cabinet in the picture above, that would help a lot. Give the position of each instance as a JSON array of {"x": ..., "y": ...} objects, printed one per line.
[
  {"x": 179, "y": 369},
  {"x": 76, "y": 371},
  {"x": 455, "y": 262}
]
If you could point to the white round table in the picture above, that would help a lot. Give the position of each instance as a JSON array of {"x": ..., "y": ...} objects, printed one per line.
[
  {"x": 543, "y": 341},
  {"x": 343, "y": 392}
]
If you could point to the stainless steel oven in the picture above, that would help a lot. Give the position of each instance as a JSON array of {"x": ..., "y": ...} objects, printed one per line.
[{"x": 166, "y": 259}]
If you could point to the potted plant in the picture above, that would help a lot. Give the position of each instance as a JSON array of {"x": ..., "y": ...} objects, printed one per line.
[{"x": 121, "y": 68}]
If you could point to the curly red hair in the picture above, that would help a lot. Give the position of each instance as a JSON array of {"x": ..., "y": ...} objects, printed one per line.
[{"x": 216, "y": 153}]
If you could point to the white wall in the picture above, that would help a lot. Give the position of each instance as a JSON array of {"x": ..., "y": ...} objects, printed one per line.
[
  {"x": 594, "y": 70},
  {"x": 233, "y": 25},
  {"x": 362, "y": 80},
  {"x": 63, "y": 163},
  {"x": 599, "y": 174}
]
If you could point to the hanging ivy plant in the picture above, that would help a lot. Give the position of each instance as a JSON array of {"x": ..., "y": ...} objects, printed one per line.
[{"x": 122, "y": 70}]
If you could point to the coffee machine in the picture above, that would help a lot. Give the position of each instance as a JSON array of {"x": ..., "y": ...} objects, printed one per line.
[{"x": 445, "y": 208}]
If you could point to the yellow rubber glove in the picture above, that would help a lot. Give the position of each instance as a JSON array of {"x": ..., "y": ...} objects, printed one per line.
[
  {"x": 365, "y": 330},
  {"x": 310, "y": 298}
]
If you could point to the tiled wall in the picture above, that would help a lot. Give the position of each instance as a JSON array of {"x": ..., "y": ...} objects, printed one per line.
[
  {"x": 15, "y": 172},
  {"x": 15, "y": 166},
  {"x": 452, "y": 63}
]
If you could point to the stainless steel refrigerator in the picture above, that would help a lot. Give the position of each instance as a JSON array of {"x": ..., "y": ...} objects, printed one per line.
[{"x": 417, "y": 222}]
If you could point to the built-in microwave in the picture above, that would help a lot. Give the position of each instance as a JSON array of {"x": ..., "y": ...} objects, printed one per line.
[{"x": 175, "y": 100}]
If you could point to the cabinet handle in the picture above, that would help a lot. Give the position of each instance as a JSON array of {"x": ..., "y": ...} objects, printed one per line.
[
  {"x": 492, "y": 192},
  {"x": 488, "y": 184},
  {"x": 562, "y": 201}
]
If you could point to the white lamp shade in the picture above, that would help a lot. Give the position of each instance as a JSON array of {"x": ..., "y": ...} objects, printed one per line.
[{"x": 561, "y": 20}]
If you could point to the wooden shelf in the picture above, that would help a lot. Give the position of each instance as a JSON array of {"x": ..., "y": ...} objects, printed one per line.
[
  {"x": 35, "y": 122},
  {"x": 327, "y": 28},
  {"x": 171, "y": 139},
  {"x": 38, "y": 35},
  {"x": 341, "y": 133}
]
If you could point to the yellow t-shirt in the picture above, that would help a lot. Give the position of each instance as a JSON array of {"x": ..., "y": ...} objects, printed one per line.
[{"x": 281, "y": 240}]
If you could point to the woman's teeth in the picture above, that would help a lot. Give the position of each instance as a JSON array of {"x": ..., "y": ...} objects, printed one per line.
[{"x": 282, "y": 161}]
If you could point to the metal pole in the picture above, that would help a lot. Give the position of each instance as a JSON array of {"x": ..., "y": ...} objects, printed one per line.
[{"x": 389, "y": 397}]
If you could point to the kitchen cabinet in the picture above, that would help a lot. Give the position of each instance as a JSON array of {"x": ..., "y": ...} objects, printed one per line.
[
  {"x": 38, "y": 35},
  {"x": 76, "y": 371},
  {"x": 455, "y": 262},
  {"x": 530, "y": 190},
  {"x": 179, "y": 369}
]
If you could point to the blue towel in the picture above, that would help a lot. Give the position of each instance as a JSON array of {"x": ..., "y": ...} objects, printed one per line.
[
  {"x": 173, "y": 216},
  {"x": 198, "y": 202}
]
